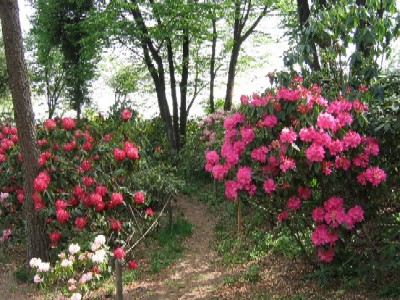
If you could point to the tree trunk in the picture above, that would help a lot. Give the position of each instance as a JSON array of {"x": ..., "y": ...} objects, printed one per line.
[
  {"x": 231, "y": 75},
  {"x": 212, "y": 65},
  {"x": 37, "y": 239},
  {"x": 303, "y": 11},
  {"x": 175, "y": 109},
  {"x": 184, "y": 83},
  {"x": 241, "y": 17}
]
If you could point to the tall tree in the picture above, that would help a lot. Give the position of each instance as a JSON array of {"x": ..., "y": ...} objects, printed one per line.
[
  {"x": 37, "y": 240},
  {"x": 243, "y": 27},
  {"x": 60, "y": 24}
]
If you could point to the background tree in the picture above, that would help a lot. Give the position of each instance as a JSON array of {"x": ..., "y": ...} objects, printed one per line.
[
  {"x": 37, "y": 239},
  {"x": 60, "y": 25},
  {"x": 48, "y": 77},
  {"x": 247, "y": 15}
]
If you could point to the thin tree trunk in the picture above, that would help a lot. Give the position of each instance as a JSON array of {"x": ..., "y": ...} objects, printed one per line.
[
  {"x": 303, "y": 11},
  {"x": 184, "y": 83},
  {"x": 175, "y": 109},
  {"x": 37, "y": 239},
  {"x": 231, "y": 76},
  {"x": 212, "y": 65}
]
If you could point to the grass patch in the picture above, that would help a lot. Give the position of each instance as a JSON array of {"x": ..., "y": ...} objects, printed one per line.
[
  {"x": 170, "y": 241},
  {"x": 251, "y": 275}
]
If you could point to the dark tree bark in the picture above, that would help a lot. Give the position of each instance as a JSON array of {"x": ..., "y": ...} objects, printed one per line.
[
  {"x": 175, "y": 110},
  {"x": 241, "y": 17},
  {"x": 37, "y": 239},
  {"x": 303, "y": 11},
  {"x": 184, "y": 83},
  {"x": 212, "y": 65}
]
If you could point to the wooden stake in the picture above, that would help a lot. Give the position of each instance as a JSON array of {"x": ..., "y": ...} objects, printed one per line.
[
  {"x": 118, "y": 280},
  {"x": 239, "y": 219}
]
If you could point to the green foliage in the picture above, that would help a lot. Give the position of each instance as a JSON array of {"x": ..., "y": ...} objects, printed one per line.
[
  {"x": 64, "y": 26},
  {"x": 346, "y": 37},
  {"x": 4, "y": 88}
]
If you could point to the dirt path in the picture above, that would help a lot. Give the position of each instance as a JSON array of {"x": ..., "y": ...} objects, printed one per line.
[{"x": 196, "y": 275}]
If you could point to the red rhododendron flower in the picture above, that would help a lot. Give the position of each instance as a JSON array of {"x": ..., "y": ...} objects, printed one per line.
[
  {"x": 116, "y": 199},
  {"x": 115, "y": 224},
  {"x": 294, "y": 203},
  {"x": 60, "y": 204},
  {"x": 119, "y": 154},
  {"x": 132, "y": 264},
  {"x": 126, "y": 114},
  {"x": 95, "y": 199},
  {"x": 326, "y": 255},
  {"x": 55, "y": 237},
  {"x": 119, "y": 253},
  {"x": 49, "y": 124},
  {"x": 86, "y": 165},
  {"x": 68, "y": 123},
  {"x": 62, "y": 215},
  {"x": 80, "y": 222},
  {"x": 132, "y": 153},
  {"x": 149, "y": 212},
  {"x": 88, "y": 181},
  {"x": 101, "y": 189},
  {"x": 283, "y": 215},
  {"x": 20, "y": 196},
  {"x": 139, "y": 197},
  {"x": 37, "y": 201},
  {"x": 41, "y": 182}
]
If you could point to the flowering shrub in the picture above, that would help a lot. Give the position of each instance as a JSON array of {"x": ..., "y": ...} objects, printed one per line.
[
  {"x": 76, "y": 271},
  {"x": 302, "y": 157},
  {"x": 93, "y": 178}
]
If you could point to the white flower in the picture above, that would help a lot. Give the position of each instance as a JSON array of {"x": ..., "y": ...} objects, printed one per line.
[
  {"x": 99, "y": 256},
  {"x": 71, "y": 281},
  {"x": 81, "y": 256},
  {"x": 35, "y": 262},
  {"x": 76, "y": 296},
  {"x": 37, "y": 279},
  {"x": 66, "y": 263},
  {"x": 3, "y": 196},
  {"x": 72, "y": 287},
  {"x": 43, "y": 267},
  {"x": 74, "y": 248},
  {"x": 100, "y": 240},
  {"x": 86, "y": 277},
  {"x": 61, "y": 255},
  {"x": 95, "y": 247}
]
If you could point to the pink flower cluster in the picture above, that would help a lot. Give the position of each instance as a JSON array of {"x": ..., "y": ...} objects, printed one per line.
[{"x": 329, "y": 218}]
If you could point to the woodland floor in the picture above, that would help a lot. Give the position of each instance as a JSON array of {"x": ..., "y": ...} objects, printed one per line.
[{"x": 200, "y": 273}]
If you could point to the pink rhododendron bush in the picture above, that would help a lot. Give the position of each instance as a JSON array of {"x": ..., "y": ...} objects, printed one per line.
[
  {"x": 304, "y": 159},
  {"x": 92, "y": 180}
]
